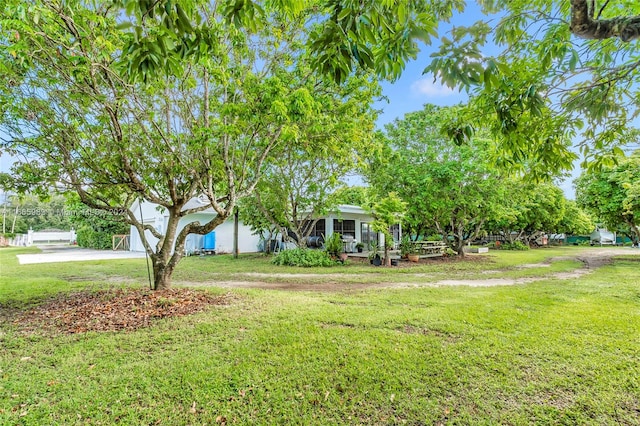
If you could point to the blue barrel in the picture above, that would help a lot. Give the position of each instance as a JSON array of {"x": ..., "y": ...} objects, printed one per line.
[{"x": 210, "y": 241}]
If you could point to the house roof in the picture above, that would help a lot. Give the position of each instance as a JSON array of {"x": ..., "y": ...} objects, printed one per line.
[
  {"x": 350, "y": 208},
  {"x": 196, "y": 202}
]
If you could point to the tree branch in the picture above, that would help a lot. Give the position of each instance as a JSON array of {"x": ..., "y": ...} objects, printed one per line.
[{"x": 583, "y": 25}]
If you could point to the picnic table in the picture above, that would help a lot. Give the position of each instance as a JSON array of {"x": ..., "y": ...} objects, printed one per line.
[{"x": 429, "y": 248}]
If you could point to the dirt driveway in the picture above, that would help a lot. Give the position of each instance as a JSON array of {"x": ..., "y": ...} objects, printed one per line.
[{"x": 591, "y": 259}]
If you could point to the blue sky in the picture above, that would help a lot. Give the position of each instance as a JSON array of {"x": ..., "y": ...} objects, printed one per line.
[
  {"x": 413, "y": 90},
  {"x": 5, "y": 160}
]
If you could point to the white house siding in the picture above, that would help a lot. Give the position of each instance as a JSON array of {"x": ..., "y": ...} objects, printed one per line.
[
  {"x": 247, "y": 243},
  {"x": 150, "y": 215},
  {"x": 355, "y": 213}
]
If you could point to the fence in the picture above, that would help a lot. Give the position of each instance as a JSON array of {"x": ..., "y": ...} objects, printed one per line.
[{"x": 33, "y": 237}]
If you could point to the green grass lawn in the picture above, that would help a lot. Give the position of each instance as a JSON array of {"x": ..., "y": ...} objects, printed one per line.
[
  {"x": 21, "y": 282},
  {"x": 550, "y": 352}
]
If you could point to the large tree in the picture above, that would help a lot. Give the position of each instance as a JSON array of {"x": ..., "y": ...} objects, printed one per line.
[
  {"x": 450, "y": 189},
  {"x": 530, "y": 209},
  {"x": 294, "y": 193},
  {"x": 612, "y": 195},
  {"x": 575, "y": 221},
  {"x": 77, "y": 115},
  {"x": 354, "y": 195},
  {"x": 297, "y": 187},
  {"x": 588, "y": 20},
  {"x": 541, "y": 212}
]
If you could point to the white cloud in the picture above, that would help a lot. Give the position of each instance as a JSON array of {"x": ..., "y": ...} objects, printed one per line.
[{"x": 427, "y": 87}]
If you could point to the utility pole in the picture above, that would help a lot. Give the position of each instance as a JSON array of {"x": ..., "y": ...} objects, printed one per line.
[
  {"x": 235, "y": 232},
  {"x": 4, "y": 213}
]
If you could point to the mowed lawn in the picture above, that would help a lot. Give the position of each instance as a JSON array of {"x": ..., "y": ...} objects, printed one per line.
[{"x": 548, "y": 352}]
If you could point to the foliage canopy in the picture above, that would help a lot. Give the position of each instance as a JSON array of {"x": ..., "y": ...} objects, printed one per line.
[{"x": 84, "y": 114}]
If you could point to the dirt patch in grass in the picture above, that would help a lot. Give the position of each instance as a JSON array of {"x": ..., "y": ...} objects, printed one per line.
[
  {"x": 110, "y": 310},
  {"x": 331, "y": 282},
  {"x": 404, "y": 263},
  {"x": 324, "y": 286}
]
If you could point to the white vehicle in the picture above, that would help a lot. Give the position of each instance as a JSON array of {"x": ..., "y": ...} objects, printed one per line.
[{"x": 603, "y": 236}]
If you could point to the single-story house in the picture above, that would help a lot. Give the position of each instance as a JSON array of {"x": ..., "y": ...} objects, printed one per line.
[
  {"x": 220, "y": 240},
  {"x": 350, "y": 221}
]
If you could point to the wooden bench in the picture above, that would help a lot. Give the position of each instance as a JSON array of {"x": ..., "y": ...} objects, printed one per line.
[{"x": 429, "y": 248}]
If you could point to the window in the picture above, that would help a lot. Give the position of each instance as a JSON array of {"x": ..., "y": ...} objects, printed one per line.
[
  {"x": 345, "y": 227},
  {"x": 368, "y": 235},
  {"x": 319, "y": 230},
  {"x": 395, "y": 231}
]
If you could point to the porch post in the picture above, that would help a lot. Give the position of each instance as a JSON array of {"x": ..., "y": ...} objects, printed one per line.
[{"x": 328, "y": 226}]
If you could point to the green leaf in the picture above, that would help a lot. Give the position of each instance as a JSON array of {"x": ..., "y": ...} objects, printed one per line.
[{"x": 124, "y": 25}]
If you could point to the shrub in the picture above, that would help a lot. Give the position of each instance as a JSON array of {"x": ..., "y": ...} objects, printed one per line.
[
  {"x": 303, "y": 257},
  {"x": 405, "y": 246},
  {"x": 89, "y": 238},
  {"x": 84, "y": 236},
  {"x": 516, "y": 245},
  {"x": 333, "y": 244},
  {"x": 449, "y": 252}
]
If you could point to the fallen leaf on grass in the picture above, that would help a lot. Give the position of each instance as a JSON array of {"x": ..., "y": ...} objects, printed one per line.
[{"x": 112, "y": 310}]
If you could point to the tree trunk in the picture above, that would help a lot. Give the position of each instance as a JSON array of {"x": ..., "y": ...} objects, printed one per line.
[
  {"x": 635, "y": 233},
  {"x": 167, "y": 258},
  {"x": 235, "y": 232},
  {"x": 13, "y": 224},
  {"x": 459, "y": 240},
  {"x": 162, "y": 272}
]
